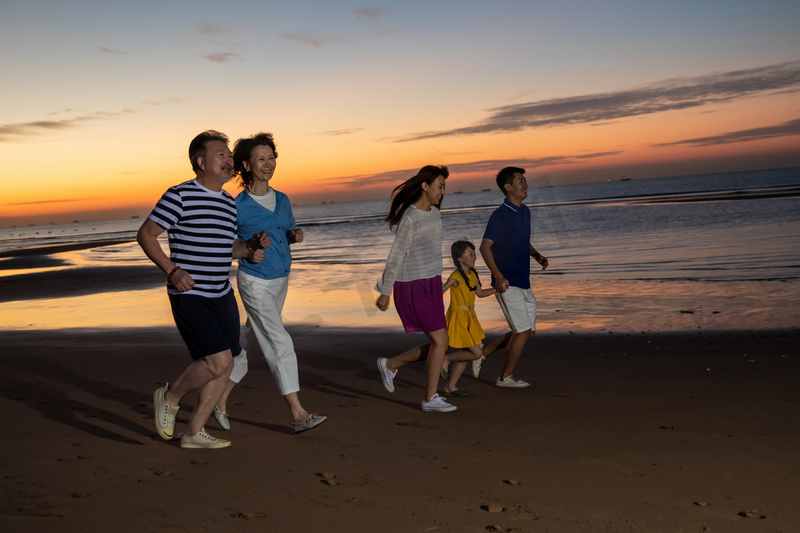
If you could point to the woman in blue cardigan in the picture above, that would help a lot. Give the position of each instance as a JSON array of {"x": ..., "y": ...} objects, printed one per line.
[{"x": 263, "y": 286}]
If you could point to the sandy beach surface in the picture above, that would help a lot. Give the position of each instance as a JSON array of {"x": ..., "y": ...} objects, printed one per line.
[{"x": 696, "y": 431}]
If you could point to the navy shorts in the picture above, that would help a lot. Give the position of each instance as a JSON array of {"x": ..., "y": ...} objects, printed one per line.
[{"x": 207, "y": 325}]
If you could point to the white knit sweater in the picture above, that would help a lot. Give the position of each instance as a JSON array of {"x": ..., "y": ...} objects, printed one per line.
[{"x": 417, "y": 249}]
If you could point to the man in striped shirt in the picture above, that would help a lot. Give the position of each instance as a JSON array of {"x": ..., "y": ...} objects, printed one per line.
[{"x": 200, "y": 220}]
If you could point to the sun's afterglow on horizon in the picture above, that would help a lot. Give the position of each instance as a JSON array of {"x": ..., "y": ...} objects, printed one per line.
[{"x": 356, "y": 102}]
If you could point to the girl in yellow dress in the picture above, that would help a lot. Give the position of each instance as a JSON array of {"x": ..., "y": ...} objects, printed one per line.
[{"x": 463, "y": 328}]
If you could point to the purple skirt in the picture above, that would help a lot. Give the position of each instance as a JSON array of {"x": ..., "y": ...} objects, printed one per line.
[{"x": 420, "y": 304}]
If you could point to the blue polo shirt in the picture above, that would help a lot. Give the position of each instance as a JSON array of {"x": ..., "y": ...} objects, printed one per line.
[
  {"x": 253, "y": 218},
  {"x": 509, "y": 229}
]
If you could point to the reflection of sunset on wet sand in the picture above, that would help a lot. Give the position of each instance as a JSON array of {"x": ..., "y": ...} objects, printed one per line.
[{"x": 577, "y": 306}]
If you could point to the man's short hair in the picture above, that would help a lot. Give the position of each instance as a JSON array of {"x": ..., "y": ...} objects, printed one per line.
[
  {"x": 506, "y": 176},
  {"x": 197, "y": 148}
]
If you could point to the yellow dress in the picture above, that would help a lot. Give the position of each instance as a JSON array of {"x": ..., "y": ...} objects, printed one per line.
[{"x": 462, "y": 322}]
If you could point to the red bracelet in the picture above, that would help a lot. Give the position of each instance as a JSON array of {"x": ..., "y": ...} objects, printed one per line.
[{"x": 172, "y": 273}]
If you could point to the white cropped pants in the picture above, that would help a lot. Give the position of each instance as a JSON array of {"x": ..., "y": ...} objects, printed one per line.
[{"x": 263, "y": 300}]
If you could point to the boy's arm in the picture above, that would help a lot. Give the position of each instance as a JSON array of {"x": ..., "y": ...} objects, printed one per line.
[
  {"x": 542, "y": 260},
  {"x": 500, "y": 282}
]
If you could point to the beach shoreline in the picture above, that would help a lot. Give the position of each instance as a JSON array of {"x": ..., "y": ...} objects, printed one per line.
[{"x": 619, "y": 432}]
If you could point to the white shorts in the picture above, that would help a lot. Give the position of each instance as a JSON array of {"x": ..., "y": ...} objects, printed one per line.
[{"x": 519, "y": 308}]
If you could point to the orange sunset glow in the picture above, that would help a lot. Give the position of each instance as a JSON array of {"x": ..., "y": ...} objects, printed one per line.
[{"x": 358, "y": 97}]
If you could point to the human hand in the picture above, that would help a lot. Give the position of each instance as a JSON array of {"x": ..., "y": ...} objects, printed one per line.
[
  {"x": 295, "y": 235},
  {"x": 542, "y": 260},
  {"x": 255, "y": 256},
  {"x": 500, "y": 284},
  {"x": 263, "y": 239},
  {"x": 382, "y": 302},
  {"x": 182, "y": 280},
  {"x": 258, "y": 241}
]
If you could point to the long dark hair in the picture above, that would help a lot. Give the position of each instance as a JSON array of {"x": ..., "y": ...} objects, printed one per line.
[
  {"x": 243, "y": 149},
  {"x": 410, "y": 190},
  {"x": 457, "y": 250}
]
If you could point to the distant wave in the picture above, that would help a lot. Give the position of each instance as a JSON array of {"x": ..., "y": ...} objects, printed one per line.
[{"x": 684, "y": 197}]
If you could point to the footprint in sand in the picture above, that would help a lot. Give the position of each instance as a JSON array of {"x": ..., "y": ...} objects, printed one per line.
[
  {"x": 247, "y": 515},
  {"x": 493, "y": 508},
  {"x": 329, "y": 478}
]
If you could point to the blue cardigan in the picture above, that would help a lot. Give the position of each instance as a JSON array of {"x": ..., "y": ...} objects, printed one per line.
[{"x": 253, "y": 218}]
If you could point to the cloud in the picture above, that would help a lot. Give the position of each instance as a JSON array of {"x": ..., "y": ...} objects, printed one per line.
[
  {"x": 222, "y": 57},
  {"x": 370, "y": 14},
  {"x": 165, "y": 101},
  {"x": 485, "y": 165},
  {"x": 13, "y": 132},
  {"x": 213, "y": 30},
  {"x": 667, "y": 95},
  {"x": 781, "y": 130},
  {"x": 335, "y": 133},
  {"x": 43, "y": 202},
  {"x": 109, "y": 50},
  {"x": 317, "y": 42}
]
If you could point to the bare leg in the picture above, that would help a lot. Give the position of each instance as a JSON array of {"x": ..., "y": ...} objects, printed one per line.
[
  {"x": 465, "y": 354},
  {"x": 497, "y": 344},
  {"x": 417, "y": 353},
  {"x": 223, "y": 400},
  {"x": 456, "y": 370},
  {"x": 514, "y": 350},
  {"x": 298, "y": 413},
  {"x": 458, "y": 366},
  {"x": 437, "y": 348},
  {"x": 208, "y": 376}
]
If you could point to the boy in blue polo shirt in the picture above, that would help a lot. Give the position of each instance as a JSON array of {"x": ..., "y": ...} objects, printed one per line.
[{"x": 507, "y": 250}]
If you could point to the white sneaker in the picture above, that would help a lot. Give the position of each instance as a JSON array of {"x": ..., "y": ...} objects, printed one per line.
[
  {"x": 203, "y": 440},
  {"x": 222, "y": 418},
  {"x": 387, "y": 376},
  {"x": 477, "y": 364},
  {"x": 511, "y": 383},
  {"x": 437, "y": 404},
  {"x": 164, "y": 413}
]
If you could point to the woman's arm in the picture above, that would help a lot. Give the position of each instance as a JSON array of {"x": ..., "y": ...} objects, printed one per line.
[{"x": 397, "y": 255}]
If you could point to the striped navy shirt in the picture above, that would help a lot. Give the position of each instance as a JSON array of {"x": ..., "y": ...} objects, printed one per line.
[{"x": 201, "y": 225}]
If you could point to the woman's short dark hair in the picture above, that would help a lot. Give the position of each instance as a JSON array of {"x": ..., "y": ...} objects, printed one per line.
[{"x": 243, "y": 149}]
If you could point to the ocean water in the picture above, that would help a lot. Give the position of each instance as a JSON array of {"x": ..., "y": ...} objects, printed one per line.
[
  {"x": 693, "y": 232},
  {"x": 743, "y": 226}
]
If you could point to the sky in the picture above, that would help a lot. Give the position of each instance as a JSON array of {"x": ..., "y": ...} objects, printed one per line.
[{"x": 101, "y": 99}]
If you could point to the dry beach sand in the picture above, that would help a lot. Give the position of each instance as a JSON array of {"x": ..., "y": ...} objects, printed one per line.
[{"x": 620, "y": 432}]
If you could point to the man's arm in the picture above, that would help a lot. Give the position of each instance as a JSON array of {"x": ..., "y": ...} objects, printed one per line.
[
  {"x": 500, "y": 282},
  {"x": 542, "y": 260},
  {"x": 147, "y": 237}
]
